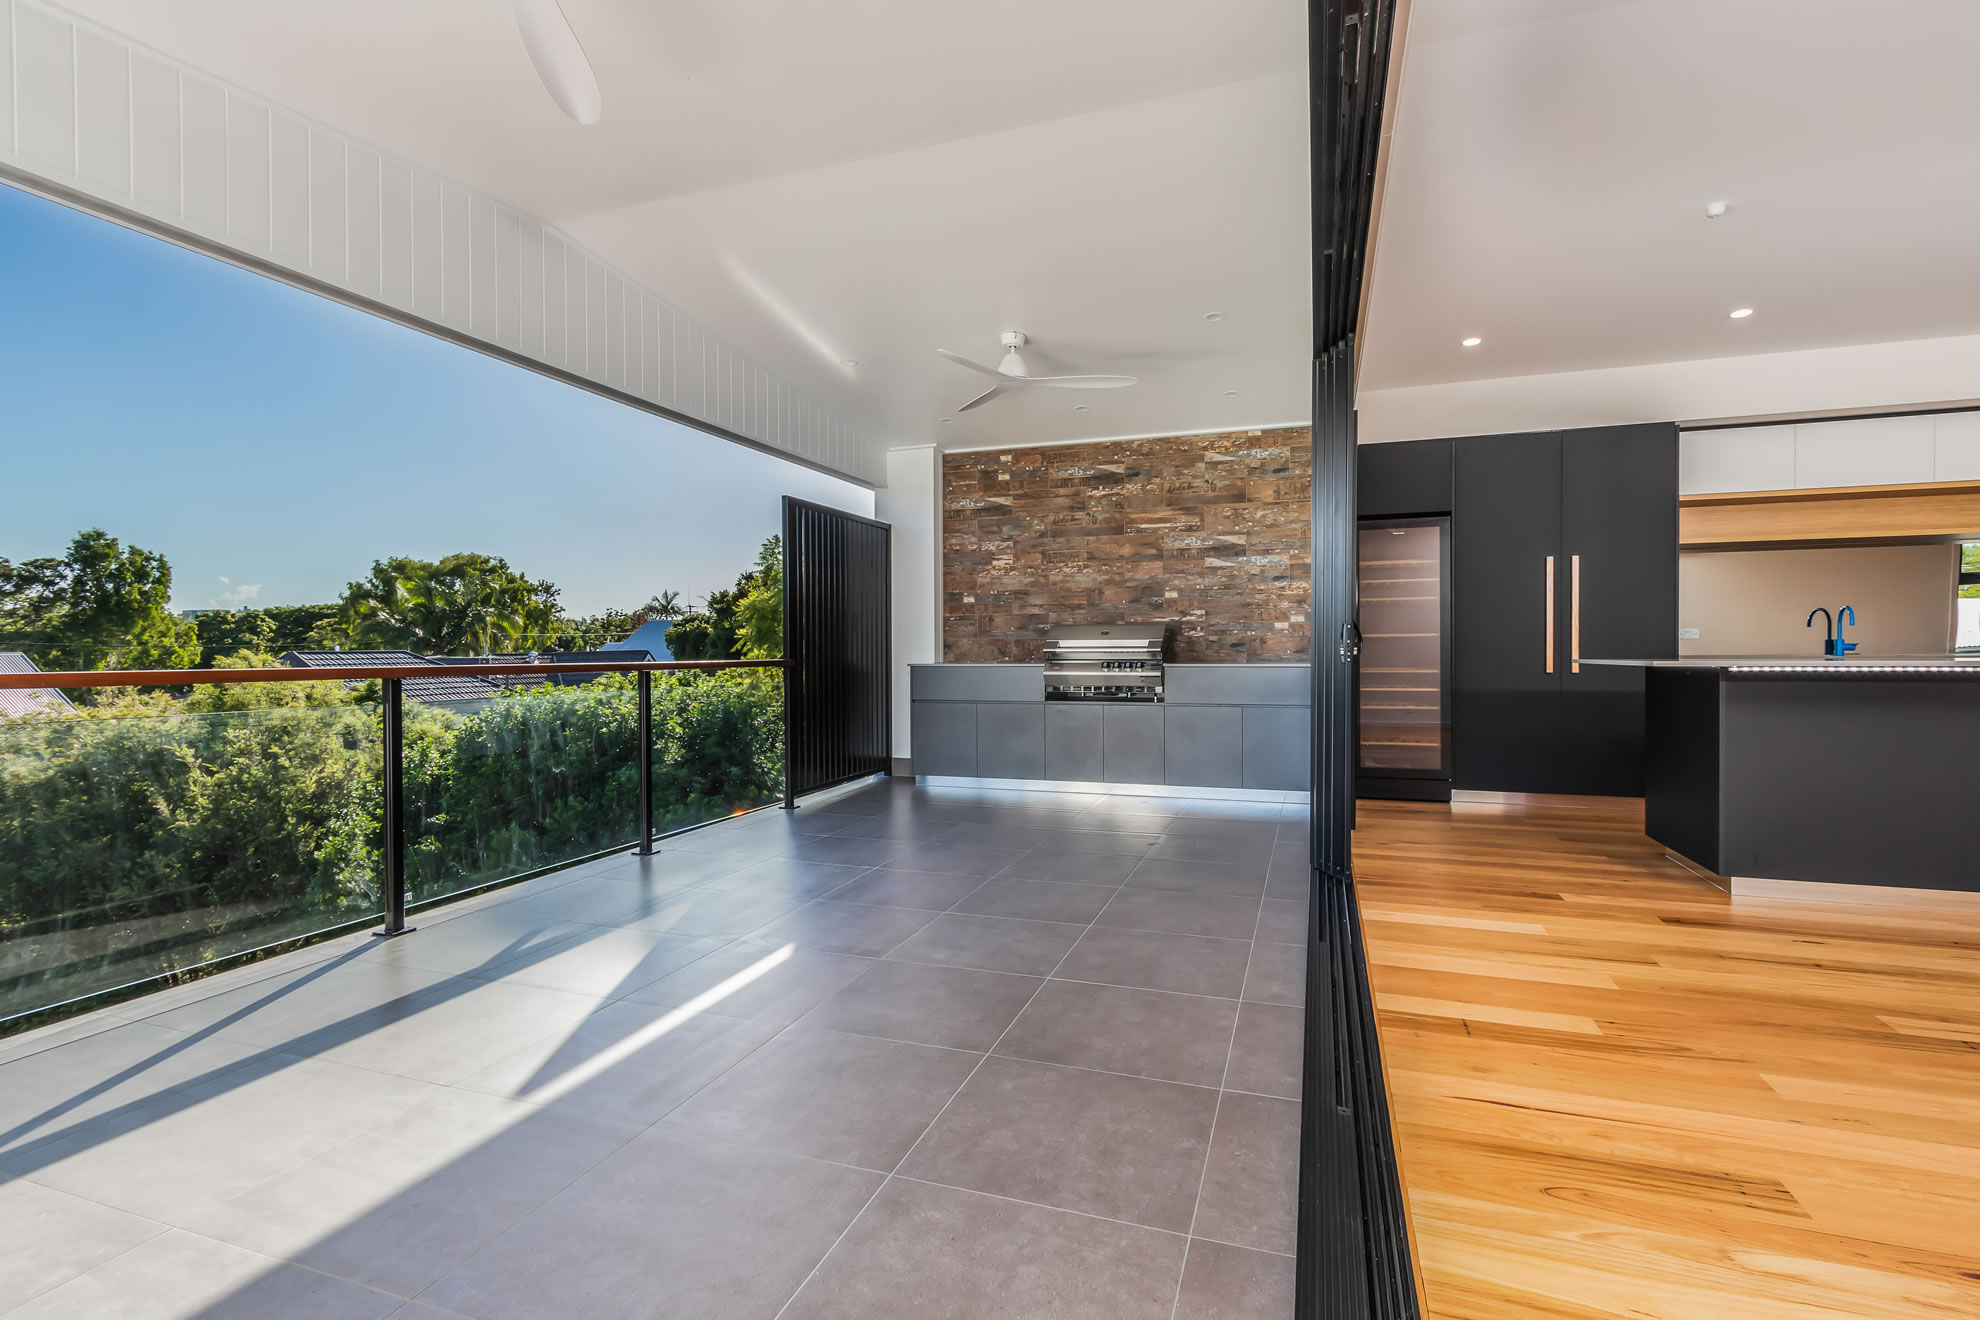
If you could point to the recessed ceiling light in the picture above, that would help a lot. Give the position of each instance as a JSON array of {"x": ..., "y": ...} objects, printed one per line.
[
  {"x": 1213, "y": 316},
  {"x": 1079, "y": 407},
  {"x": 1473, "y": 342},
  {"x": 1741, "y": 313},
  {"x": 848, "y": 362},
  {"x": 1230, "y": 394},
  {"x": 1713, "y": 210},
  {"x": 947, "y": 420}
]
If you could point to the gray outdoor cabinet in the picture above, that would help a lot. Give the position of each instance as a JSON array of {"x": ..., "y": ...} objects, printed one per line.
[
  {"x": 944, "y": 735},
  {"x": 1010, "y": 740},
  {"x": 1204, "y": 746},
  {"x": 1072, "y": 742},
  {"x": 1278, "y": 748},
  {"x": 1131, "y": 744}
]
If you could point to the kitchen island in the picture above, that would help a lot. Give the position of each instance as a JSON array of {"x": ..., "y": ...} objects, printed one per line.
[
  {"x": 1233, "y": 729},
  {"x": 1857, "y": 770}
]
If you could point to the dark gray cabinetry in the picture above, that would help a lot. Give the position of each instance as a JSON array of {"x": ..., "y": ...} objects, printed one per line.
[
  {"x": 1563, "y": 544},
  {"x": 1278, "y": 748},
  {"x": 1010, "y": 741},
  {"x": 944, "y": 736},
  {"x": 1204, "y": 745},
  {"x": 1072, "y": 742},
  {"x": 1404, "y": 480},
  {"x": 1131, "y": 744}
]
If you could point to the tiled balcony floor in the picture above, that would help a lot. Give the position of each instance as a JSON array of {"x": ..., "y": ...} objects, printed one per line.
[{"x": 903, "y": 1052}]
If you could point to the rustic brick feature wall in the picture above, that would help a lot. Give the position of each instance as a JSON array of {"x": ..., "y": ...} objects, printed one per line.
[{"x": 1208, "y": 532}]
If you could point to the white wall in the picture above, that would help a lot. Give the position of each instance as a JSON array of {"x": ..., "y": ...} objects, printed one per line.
[
  {"x": 1919, "y": 373},
  {"x": 91, "y": 113},
  {"x": 912, "y": 501}
]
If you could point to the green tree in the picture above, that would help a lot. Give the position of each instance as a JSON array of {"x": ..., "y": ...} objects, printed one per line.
[
  {"x": 760, "y": 612},
  {"x": 101, "y": 606},
  {"x": 462, "y": 604},
  {"x": 666, "y": 605}
]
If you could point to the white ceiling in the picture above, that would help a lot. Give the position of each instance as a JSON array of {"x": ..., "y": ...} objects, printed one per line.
[
  {"x": 1553, "y": 159},
  {"x": 871, "y": 179}
]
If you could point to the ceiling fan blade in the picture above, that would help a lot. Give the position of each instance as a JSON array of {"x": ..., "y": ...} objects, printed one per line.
[
  {"x": 983, "y": 398},
  {"x": 559, "y": 59},
  {"x": 1084, "y": 382},
  {"x": 962, "y": 361}
]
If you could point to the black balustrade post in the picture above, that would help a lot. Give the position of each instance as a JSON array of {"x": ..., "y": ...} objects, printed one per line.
[
  {"x": 646, "y": 848},
  {"x": 392, "y": 851}
]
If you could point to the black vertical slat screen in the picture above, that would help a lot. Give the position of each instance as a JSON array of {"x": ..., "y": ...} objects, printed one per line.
[
  {"x": 1353, "y": 1241},
  {"x": 838, "y": 627}
]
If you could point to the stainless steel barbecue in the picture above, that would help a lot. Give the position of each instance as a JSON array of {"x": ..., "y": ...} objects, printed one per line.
[{"x": 1104, "y": 662}]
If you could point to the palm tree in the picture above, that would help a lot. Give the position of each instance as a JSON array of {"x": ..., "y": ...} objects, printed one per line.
[{"x": 666, "y": 605}]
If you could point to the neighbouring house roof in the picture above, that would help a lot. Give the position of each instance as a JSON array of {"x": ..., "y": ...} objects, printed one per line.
[
  {"x": 433, "y": 691},
  {"x": 542, "y": 657},
  {"x": 26, "y": 703},
  {"x": 650, "y": 637}
]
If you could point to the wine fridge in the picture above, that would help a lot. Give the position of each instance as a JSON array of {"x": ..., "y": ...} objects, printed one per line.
[{"x": 1403, "y": 695}]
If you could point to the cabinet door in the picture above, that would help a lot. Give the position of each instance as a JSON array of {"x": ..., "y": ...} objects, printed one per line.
[
  {"x": 1619, "y": 530},
  {"x": 1010, "y": 740},
  {"x": 1131, "y": 744},
  {"x": 1507, "y": 655},
  {"x": 1203, "y": 746},
  {"x": 1404, "y": 479},
  {"x": 1072, "y": 742},
  {"x": 1278, "y": 748},
  {"x": 944, "y": 738}
]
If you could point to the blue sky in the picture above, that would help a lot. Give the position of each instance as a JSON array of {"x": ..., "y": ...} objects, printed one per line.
[{"x": 271, "y": 443}]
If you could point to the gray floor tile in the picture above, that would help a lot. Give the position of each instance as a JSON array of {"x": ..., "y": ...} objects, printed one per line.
[
  {"x": 1283, "y": 921},
  {"x": 951, "y": 1006},
  {"x": 1294, "y": 885},
  {"x": 1151, "y": 960},
  {"x": 995, "y": 944},
  {"x": 1086, "y": 838},
  {"x": 908, "y": 828},
  {"x": 103, "y": 1072},
  {"x": 1232, "y": 1283},
  {"x": 1198, "y": 877},
  {"x": 604, "y": 963},
  {"x": 628, "y": 1062},
  {"x": 1037, "y": 900},
  {"x": 921, "y": 1251},
  {"x": 1253, "y": 852},
  {"x": 1251, "y": 1187},
  {"x": 1277, "y": 975},
  {"x": 930, "y": 891},
  {"x": 1176, "y": 1038},
  {"x": 51, "y": 1237},
  {"x": 1123, "y": 1147},
  {"x": 715, "y": 913},
  {"x": 675, "y": 1227},
  {"x": 396, "y": 1207},
  {"x": 824, "y": 927},
  {"x": 787, "y": 877},
  {"x": 730, "y": 843},
  {"x": 320, "y": 1004},
  {"x": 476, "y": 942},
  {"x": 954, "y": 859},
  {"x": 844, "y": 850},
  {"x": 177, "y": 1274},
  {"x": 850, "y": 1099},
  {"x": 776, "y": 988},
  {"x": 1222, "y": 915},
  {"x": 1072, "y": 868},
  {"x": 1267, "y": 1049}
]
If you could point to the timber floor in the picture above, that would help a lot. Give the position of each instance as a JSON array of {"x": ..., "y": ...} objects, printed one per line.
[{"x": 1619, "y": 1091}]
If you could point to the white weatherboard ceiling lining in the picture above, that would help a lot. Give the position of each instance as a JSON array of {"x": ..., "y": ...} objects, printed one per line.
[
  {"x": 1553, "y": 160},
  {"x": 873, "y": 179},
  {"x": 86, "y": 110}
]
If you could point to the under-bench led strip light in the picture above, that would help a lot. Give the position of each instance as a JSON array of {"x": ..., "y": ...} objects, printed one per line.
[{"x": 1856, "y": 669}]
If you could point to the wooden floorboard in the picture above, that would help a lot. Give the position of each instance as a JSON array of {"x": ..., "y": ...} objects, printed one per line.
[{"x": 1617, "y": 1090}]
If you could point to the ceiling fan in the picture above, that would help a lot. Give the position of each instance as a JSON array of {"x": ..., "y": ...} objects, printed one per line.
[
  {"x": 1012, "y": 372},
  {"x": 559, "y": 59}
]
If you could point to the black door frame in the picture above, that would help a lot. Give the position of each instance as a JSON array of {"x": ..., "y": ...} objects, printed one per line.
[{"x": 1353, "y": 1237}]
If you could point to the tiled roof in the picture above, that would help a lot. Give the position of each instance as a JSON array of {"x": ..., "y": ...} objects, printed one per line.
[
  {"x": 542, "y": 657},
  {"x": 20, "y": 703},
  {"x": 441, "y": 688}
]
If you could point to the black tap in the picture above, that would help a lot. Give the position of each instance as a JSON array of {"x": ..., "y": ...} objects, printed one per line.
[{"x": 1828, "y": 628}]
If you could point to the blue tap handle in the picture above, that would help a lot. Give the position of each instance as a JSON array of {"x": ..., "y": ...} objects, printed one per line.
[{"x": 1842, "y": 647}]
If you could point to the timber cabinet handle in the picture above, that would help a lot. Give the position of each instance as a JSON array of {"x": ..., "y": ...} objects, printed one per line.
[
  {"x": 1550, "y": 614},
  {"x": 1574, "y": 614}
]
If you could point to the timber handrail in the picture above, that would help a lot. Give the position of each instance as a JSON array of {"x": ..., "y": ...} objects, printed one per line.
[{"x": 93, "y": 678}]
